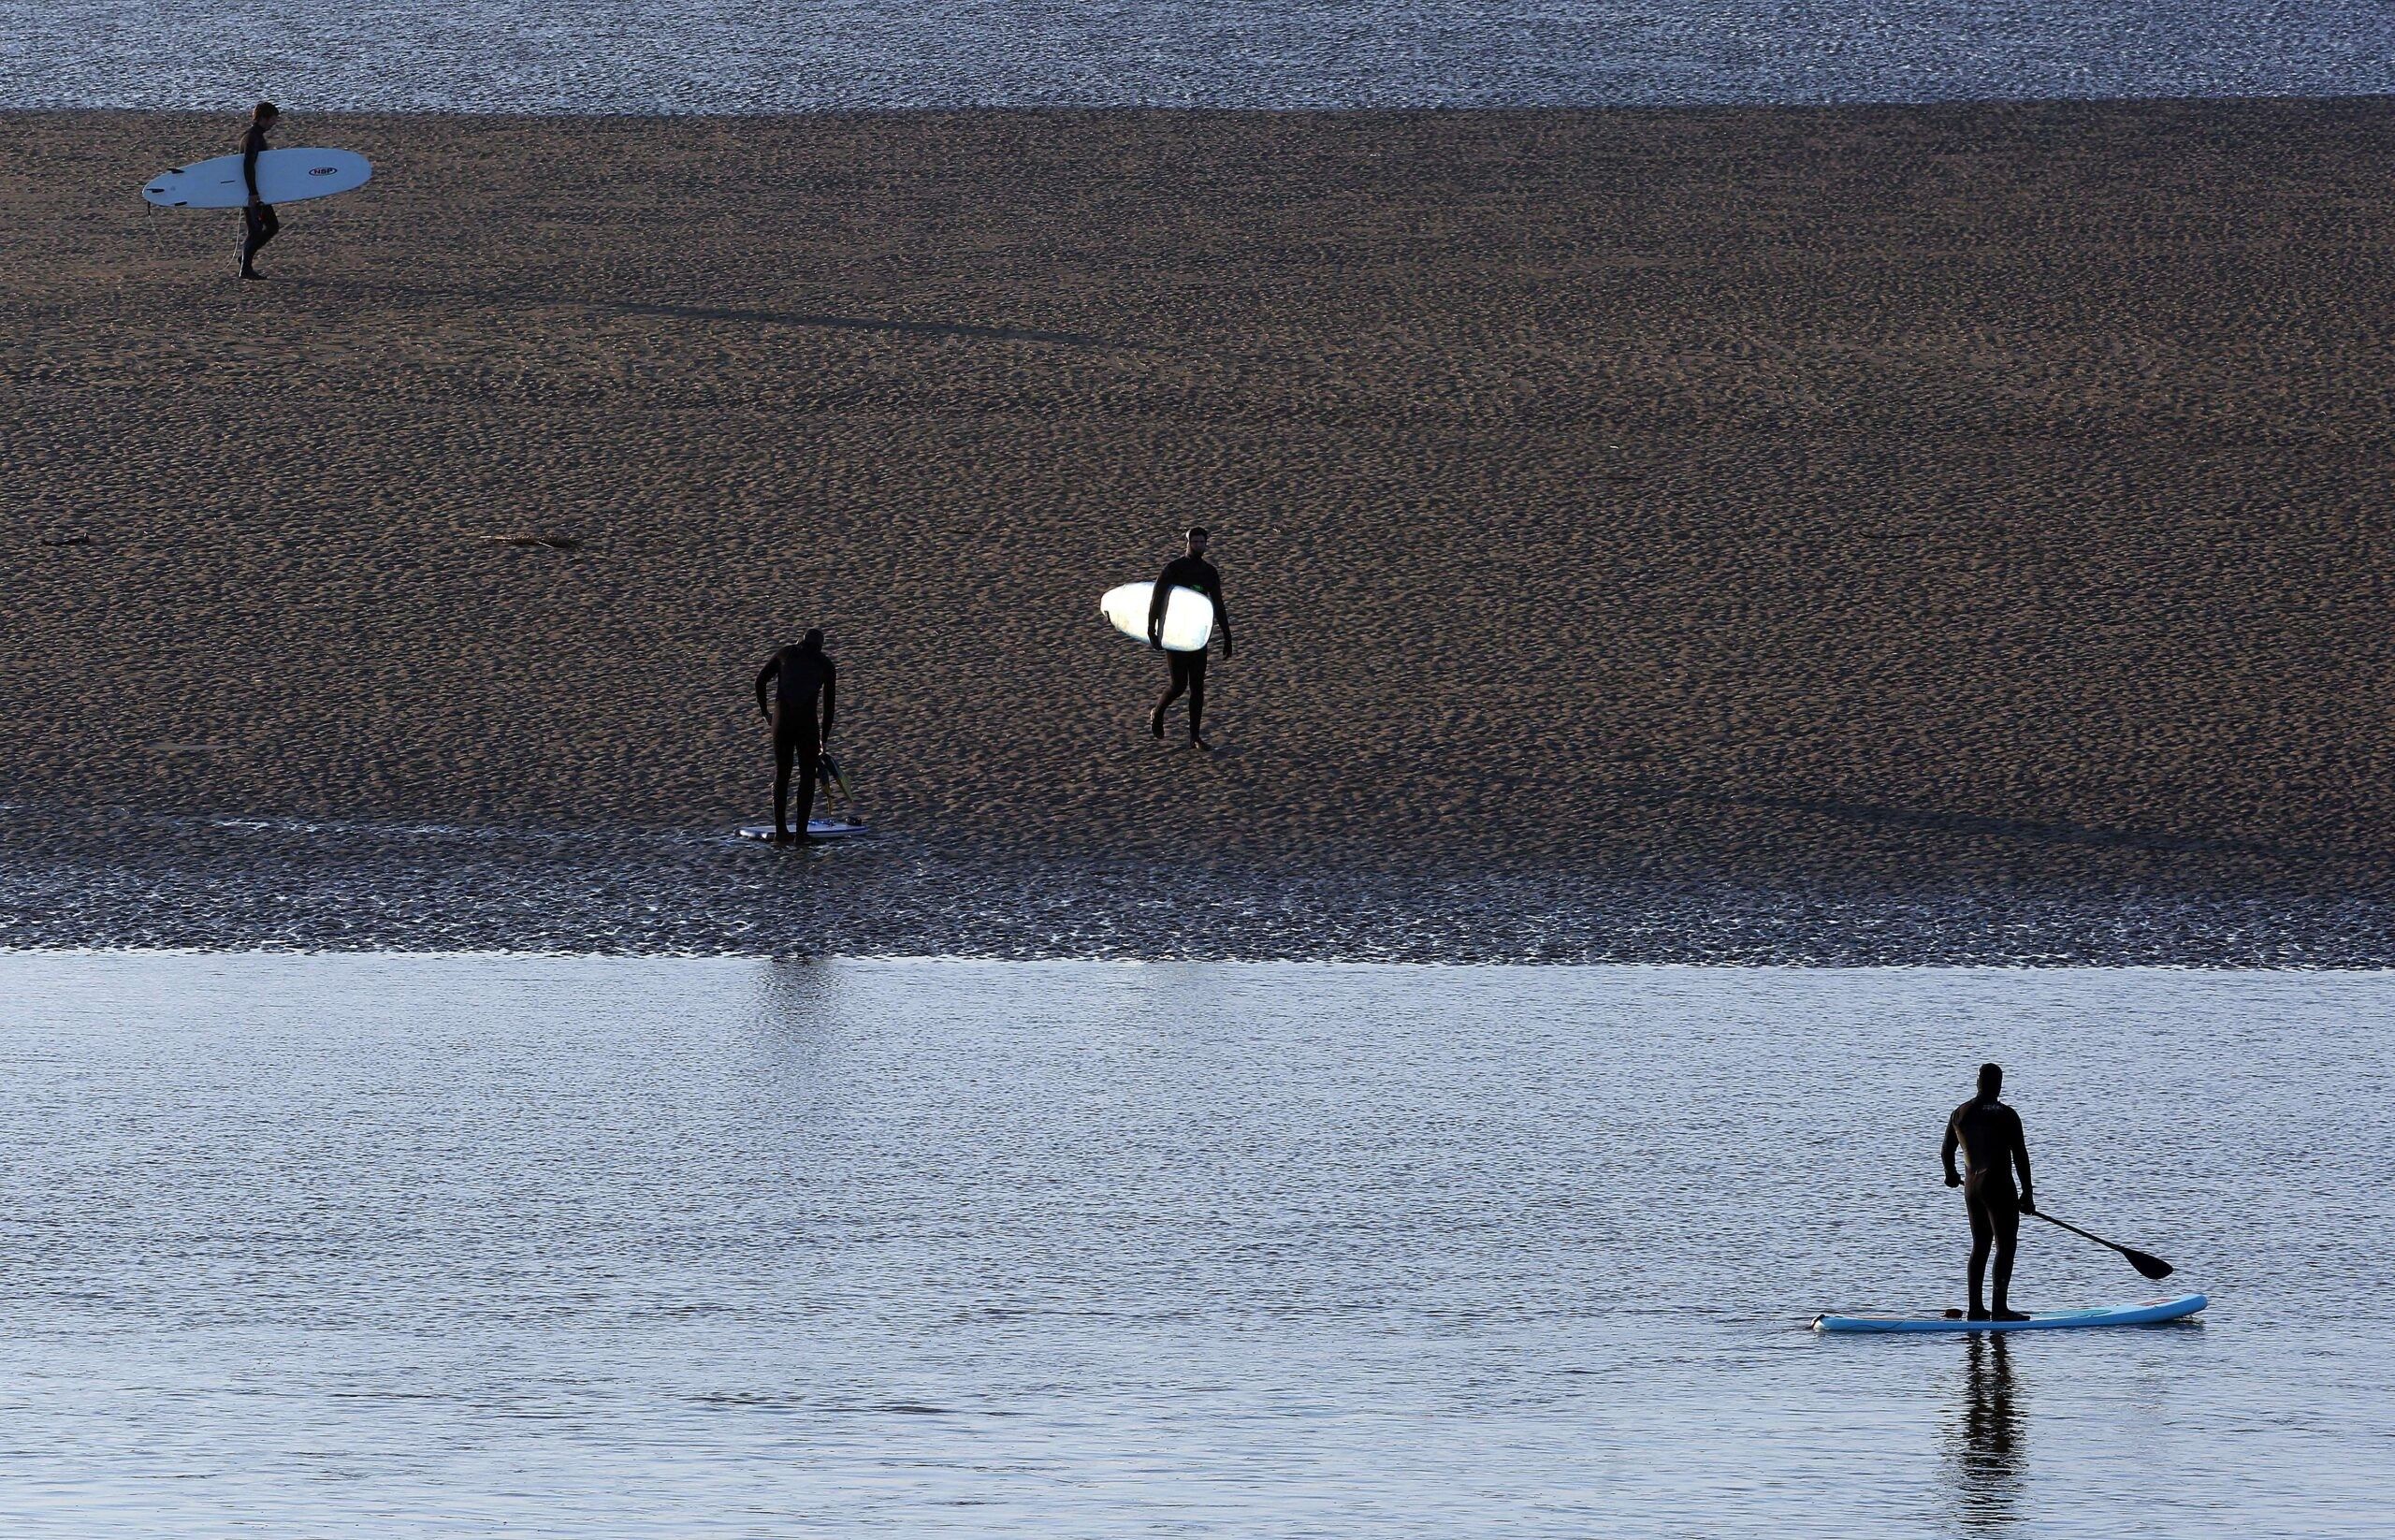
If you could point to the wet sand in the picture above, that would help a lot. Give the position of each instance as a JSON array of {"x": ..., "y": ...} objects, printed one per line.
[{"x": 1978, "y": 505}]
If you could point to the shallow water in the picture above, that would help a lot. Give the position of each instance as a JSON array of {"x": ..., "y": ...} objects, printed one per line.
[
  {"x": 458, "y": 1245},
  {"x": 103, "y": 878},
  {"x": 778, "y": 55}
]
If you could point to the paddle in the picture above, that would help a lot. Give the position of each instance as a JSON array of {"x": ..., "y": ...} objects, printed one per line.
[{"x": 2151, "y": 1266}]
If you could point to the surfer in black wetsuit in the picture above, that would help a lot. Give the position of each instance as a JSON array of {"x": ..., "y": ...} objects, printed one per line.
[
  {"x": 1989, "y": 1134},
  {"x": 1190, "y": 569},
  {"x": 259, "y": 222},
  {"x": 798, "y": 676}
]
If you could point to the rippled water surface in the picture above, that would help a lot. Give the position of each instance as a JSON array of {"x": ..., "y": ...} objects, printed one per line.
[
  {"x": 470, "y": 1245},
  {"x": 784, "y": 55}
]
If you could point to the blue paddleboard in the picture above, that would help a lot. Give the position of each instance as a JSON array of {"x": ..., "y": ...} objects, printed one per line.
[{"x": 2142, "y": 1314}]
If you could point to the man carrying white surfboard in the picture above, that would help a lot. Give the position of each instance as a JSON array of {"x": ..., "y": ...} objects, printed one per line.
[
  {"x": 259, "y": 222},
  {"x": 1189, "y": 570},
  {"x": 1989, "y": 1135}
]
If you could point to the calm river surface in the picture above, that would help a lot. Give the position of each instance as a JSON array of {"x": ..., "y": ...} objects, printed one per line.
[
  {"x": 805, "y": 55},
  {"x": 465, "y": 1245}
]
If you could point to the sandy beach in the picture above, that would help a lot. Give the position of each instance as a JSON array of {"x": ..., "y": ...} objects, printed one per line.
[{"x": 1974, "y": 500}]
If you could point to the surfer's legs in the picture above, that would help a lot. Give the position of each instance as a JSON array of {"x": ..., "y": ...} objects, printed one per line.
[
  {"x": 258, "y": 226},
  {"x": 807, "y": 751},
  {"x": 1178, "y": 663},
  {"x": 2004, "y": 1214},
  {"x": 1197, "y": 696},
  {"x": 783, "y": 748},
  {"x": 1983, "y": 1233},
  {"x": 811, "y": 770},
  {"x": 1995, "y": 1226},
  {"x": 1188, "y": 677}
]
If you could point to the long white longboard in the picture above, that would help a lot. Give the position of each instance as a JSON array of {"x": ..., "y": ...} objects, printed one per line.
[{"x": 284, "y": 176}]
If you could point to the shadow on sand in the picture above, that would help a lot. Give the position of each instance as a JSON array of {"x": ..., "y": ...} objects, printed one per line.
[{"x": 811, "y": 320}]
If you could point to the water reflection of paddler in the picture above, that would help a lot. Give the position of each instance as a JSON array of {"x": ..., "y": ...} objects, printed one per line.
[{"x": 1989, "y": 1449}]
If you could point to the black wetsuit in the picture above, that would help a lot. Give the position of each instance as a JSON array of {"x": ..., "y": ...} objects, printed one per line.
[
  {"x": 259, "y": 222},
  {"x": 798, "y": 676},
  {"x": 1188, "y": 668},
  {"x": 1989, "y": 1134}
]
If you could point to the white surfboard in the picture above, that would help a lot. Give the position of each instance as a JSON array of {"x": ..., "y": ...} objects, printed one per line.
[
  {"x": 820, "y": 828},
  {"x": 1189, "y": 615},
  {"x": 284, "y": 176}
]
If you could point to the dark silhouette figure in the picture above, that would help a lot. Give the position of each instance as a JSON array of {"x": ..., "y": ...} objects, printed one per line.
[
  {"x": 799, "y": 676},
  {"x": 259, "y": 222},
  {"x": 1989, "y": 1134},
  {"x": 1190, "y": 569}
]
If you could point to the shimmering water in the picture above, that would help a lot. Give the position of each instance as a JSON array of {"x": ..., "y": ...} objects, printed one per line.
[
  {"x": 472, "y": 1246},
  {"x": 786, "y": 55}
]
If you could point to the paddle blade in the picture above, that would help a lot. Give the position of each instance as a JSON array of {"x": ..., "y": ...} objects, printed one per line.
[
  {"x": 2145, "y": 1262},
  {"x": 2153, "y": 1266}
]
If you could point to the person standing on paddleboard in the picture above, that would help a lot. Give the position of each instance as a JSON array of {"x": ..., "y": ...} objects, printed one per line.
[
  {"x": 259, "y": 222},
  {"x": 799, "y": 676},
  {"x": 1989, "y": 1135},
  {"x": 1189, "y": 570}
]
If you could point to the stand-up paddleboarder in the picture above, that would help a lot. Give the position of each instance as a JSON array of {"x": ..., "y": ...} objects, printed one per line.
[
  {"x": 259, "y": 222},
  {"x": 1989, "y": 1134},
  {"x": 799, "y": 676},
  {"x": 1189, "y": 570}
]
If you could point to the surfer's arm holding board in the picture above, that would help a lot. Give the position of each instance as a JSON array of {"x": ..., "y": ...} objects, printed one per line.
[
  {"x": 1195, "y": 573},
  {"x": 1163, "y": 587},
  {"x": 831, "y": 695},
  {"x": 252, "y": 146}
]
